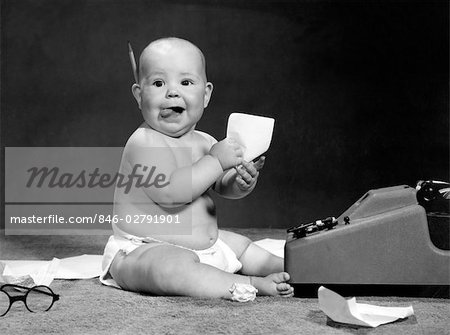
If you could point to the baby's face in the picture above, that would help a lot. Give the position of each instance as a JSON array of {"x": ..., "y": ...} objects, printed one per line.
[{"x": 173, "y": 89}]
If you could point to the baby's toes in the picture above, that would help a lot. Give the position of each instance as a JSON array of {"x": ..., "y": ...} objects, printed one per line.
[
  {"x": 281, "y": 277},
  {"x": 284, "y": 288},
  {"x": 287, "y": 293}
]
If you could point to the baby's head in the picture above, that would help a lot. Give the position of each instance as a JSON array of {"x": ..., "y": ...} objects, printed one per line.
[{"x": 173, "y": 89}]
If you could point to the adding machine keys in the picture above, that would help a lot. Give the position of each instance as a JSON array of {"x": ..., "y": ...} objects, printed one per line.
[{"x": 309, "y": 228}]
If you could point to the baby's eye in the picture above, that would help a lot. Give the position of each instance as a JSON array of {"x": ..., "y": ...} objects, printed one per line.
[
  {"x": 158, "y": 83},
  {"x": 186, "y": 82}
]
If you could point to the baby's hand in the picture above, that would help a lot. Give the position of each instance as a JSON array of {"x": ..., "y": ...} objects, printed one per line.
[
  {"x": 228, "y": 152},
  {"x": 247, "y": 173}
]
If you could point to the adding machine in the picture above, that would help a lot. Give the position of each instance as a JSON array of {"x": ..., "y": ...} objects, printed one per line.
[{"x": 392, "y": 241}]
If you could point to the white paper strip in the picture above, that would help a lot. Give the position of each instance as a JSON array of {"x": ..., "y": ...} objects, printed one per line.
[
  {"x": 273, "y": 246},
  {"x": 43, "y": 272}
]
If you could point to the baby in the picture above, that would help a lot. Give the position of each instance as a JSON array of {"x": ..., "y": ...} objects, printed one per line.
[{"x": 205, "y": 262}]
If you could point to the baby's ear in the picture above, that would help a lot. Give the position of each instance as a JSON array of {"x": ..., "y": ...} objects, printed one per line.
[
  {"x": 208, "y": 91},
  {"x": 136, "y": 90}
]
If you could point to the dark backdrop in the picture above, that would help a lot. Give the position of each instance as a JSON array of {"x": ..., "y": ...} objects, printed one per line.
[{"x": 359, "y": 90}]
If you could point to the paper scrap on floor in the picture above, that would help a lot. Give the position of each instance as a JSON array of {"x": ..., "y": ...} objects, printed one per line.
[
  {"x": 28, "y": 273},
  {"x": 349, "y": 311},
  {"x": 253, "y": 132},
  {"x": 43, "y": 272}
]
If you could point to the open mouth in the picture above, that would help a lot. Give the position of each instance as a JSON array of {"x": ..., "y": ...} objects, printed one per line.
[
  {"x": 177, "y": 109},
  {"x": 171, "y": 111}
]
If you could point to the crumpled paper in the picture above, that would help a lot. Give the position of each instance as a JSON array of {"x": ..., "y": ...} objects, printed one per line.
[
  {"x": 349, "y": 311},
  {"x": 253, "y": 132},
  {"x": 243, "y": 292}
]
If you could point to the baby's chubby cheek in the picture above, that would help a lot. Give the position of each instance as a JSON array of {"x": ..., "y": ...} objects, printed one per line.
[{"x": 151, "y": 120}]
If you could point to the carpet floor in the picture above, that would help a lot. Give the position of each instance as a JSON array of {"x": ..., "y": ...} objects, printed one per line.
[{"x": 87, "y": 307}]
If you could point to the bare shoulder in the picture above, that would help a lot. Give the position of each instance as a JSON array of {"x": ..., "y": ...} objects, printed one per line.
[
  {"x": 146, "y": 146},
  {"x": 145, "y": 136}
]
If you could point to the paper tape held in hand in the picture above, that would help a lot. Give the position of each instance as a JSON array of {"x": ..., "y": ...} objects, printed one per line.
[{"x": 253, "y": 132}]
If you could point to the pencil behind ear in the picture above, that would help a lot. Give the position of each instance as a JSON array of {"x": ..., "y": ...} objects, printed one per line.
[
  {"x": 133, "y": 63},
  {"x": 136, "y": 90}
]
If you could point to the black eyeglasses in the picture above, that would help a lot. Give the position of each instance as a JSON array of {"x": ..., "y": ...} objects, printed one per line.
[{"x": 36, "y": 299}]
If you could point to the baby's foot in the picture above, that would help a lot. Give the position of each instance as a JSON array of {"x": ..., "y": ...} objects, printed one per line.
[{"x": 274, "y": 284}]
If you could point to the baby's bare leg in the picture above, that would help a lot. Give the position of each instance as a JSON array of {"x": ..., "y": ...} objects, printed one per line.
[
  {"x": 169, "y": 270},
  {"x": 257, "y": 262}
]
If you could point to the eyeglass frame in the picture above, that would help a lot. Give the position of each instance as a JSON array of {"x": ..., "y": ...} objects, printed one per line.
[{"x": 13, "y": 299}]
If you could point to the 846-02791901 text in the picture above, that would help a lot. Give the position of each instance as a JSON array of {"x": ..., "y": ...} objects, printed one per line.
[{"x": 96, "y": 218}]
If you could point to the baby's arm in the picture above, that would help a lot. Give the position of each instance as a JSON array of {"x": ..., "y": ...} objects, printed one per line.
[
  {"x": 239, "y": 182},
  {"x": 186, "y": 183}
]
